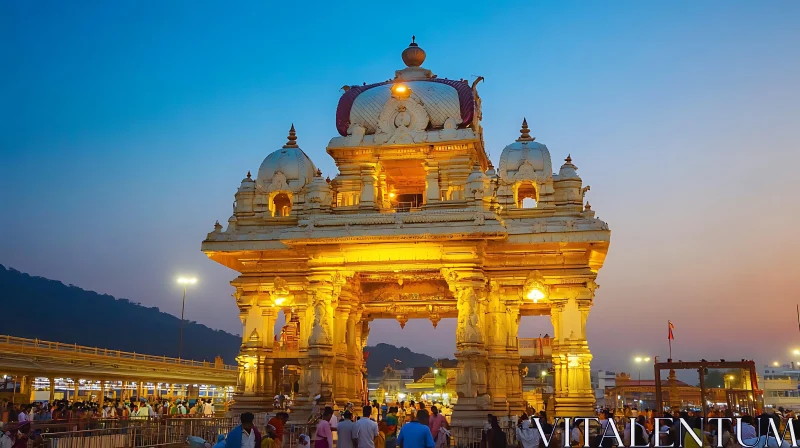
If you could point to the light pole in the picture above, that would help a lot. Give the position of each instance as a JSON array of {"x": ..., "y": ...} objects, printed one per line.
[
  {"x": 185, "y": 282},
  {"x": 639, "y": 361}
]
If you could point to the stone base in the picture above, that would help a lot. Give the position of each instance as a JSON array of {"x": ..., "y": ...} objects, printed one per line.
[
  {"x": 575, "y": 406},
  {"x": 252, "y": 403}
]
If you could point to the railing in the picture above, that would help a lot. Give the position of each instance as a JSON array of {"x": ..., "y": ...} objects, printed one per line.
[
  {"x": 37, "y": 345},
  {"x": 535, "y": 346},
  {"x": 136, "y": 433}
]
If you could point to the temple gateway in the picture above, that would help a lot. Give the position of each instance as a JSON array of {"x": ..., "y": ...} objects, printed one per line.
[{"x": 417, "y": 224}]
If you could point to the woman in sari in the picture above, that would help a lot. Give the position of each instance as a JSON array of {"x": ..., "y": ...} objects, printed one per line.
[{"x": 323, "y": 437}]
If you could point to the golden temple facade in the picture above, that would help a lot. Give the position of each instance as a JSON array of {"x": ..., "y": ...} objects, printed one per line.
[{"x": 417, "y": 224}]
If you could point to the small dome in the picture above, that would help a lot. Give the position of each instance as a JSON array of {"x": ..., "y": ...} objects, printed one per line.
[
  {"x": 568, "y": 170},
  {"x": 413, "y": 56},
  {"x": 248, "y": 184},
  {"x": 288, "y": 167},
  {"x": 525, "y": 158}
]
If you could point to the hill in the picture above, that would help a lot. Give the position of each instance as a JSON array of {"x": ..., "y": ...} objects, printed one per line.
[
  {"x": 36, "y": 307},
  {"x": 381, "y": 355}
]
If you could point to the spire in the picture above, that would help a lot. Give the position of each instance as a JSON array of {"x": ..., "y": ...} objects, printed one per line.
[
  {"x": 569, "y": 158},
  {"x": 292, "y": 142},
  {"x": 588, "y": 206},
  {"x": 249, "y": 176},
  {"x": 319, "y": 172},
  {"x": 525, "y": 133}
]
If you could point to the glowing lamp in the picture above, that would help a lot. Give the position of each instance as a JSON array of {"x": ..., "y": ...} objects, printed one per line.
[
  {"x": 391, "y": 195},
  {"x": 536, "y": 288},
  {"x": 435, "y": 371},
  {"x": 187, "y": 281},
  {"x": 544, "y": 373},
  {"x": 536, "y": 295},
  {"x": 401, "y": 90},
  {"x": 775, "y": 364},
  {"x": 797, "y": 352},
  {"x": 279, "y": 300}
]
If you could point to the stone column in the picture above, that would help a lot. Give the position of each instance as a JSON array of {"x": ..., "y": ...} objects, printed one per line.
[
  {"x": 52, "y": 390},
  {"x": 474, "y": 402},
  {"x": 368, "y": 187},
  {"x": 341, "y": 390},
  {"x": 513, "y": 360},
  {"x": 432, "y": 192},
  {"x": 102, "y": 398},
  {"x": 571, "y": 356},
  {"x": 76, "y": 385},
  {"x": 320, "y": 342},
  {"x": 503, "y": 384},
  {"x": 355, "y": 354}
]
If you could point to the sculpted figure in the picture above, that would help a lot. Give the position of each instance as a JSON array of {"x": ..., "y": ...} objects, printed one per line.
[
  {"x": 320, "y": 333},
  {"x": 473, "y": 332}
]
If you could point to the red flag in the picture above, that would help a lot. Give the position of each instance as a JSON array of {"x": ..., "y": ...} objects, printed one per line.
[{"x": 671, "y": 327}]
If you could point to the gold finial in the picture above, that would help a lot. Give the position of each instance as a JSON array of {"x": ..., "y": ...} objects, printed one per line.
[
  {"x": 525, "y": 133},
  {"x": 588, "y": 206},
  {"x": 248, "y": 174},
  {"x": 328, "y": 179},
  {"x": 569, "y": 158},
  {"x": 319, "y": 172},
  {"x": 292, "y": 142},
  {"x": 413, "y": 56}
]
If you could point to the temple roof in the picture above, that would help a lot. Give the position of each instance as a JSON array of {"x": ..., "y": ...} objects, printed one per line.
[{"x": 442, "y": 98}]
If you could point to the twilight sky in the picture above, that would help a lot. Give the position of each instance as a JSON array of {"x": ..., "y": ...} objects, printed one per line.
[{"x": 125, "y": 128}]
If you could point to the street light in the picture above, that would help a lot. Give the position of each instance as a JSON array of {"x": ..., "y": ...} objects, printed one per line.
[
  {"x": 639, "y": 360},
  {"x": 185, "y": 281}
]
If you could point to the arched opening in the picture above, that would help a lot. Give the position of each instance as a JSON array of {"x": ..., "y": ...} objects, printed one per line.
[
  {"x": 535, "y": 338},
  {"x": 281, "y": 205},
  {"x": 526, "y": 195}
]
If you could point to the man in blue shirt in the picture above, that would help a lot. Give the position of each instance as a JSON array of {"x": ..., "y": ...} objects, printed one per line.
[{"x": 416, "y": 434}]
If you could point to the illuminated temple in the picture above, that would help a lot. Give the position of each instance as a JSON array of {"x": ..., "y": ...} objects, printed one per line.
[{"x": 417, "y": 224}]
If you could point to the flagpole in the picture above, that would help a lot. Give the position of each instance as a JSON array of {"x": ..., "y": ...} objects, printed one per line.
[
  {"x": 669, "y": 338},
  {"x": 798, "y": 317}
]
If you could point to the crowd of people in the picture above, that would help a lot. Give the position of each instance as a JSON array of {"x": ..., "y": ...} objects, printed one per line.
[
  {"x": 64, "y": 410},
  {"x": 22, "y": 422}
]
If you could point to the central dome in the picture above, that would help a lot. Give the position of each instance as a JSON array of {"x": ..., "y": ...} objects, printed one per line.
[{"x": 441, "y": 98}]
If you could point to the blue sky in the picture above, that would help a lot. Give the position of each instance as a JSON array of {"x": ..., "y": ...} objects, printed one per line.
[{"x": 125, "y": 128}]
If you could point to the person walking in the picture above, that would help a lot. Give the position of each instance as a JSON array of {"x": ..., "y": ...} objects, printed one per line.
[
  {"x": 416, "y": 433},
  {"x": 365, "y": 430}
]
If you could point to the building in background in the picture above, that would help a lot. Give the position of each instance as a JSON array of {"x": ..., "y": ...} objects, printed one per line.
[
  {"x": 602, "y": 380},
  {"x": 781, "y": 386}
]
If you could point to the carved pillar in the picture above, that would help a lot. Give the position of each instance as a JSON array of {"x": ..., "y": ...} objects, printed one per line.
[
  {"x": 321, "y": 339},
  {"x": 341, "y": 384},
  {"x": 52, "y": 390},
  {"x": 468, "y": 286},
  {"x": 432, "y": 192},
  {"x": 368, "y": 187},
  {"x": 496, "y": 339},
  {"x": 571, "y": 355},
  {"x": 512, "y": 319}
]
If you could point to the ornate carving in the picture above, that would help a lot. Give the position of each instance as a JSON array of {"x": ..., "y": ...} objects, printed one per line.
[
  {"x": 278, "y": 183},
  {"x": 404, "y": 116},
  {"x": 320, "y": 330}
]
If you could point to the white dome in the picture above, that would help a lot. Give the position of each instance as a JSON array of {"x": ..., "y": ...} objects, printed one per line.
[
  {"x": 292, "y": 163},
  {"x": 525, "y": 156},
  {"x": 568, "y": 170}
]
